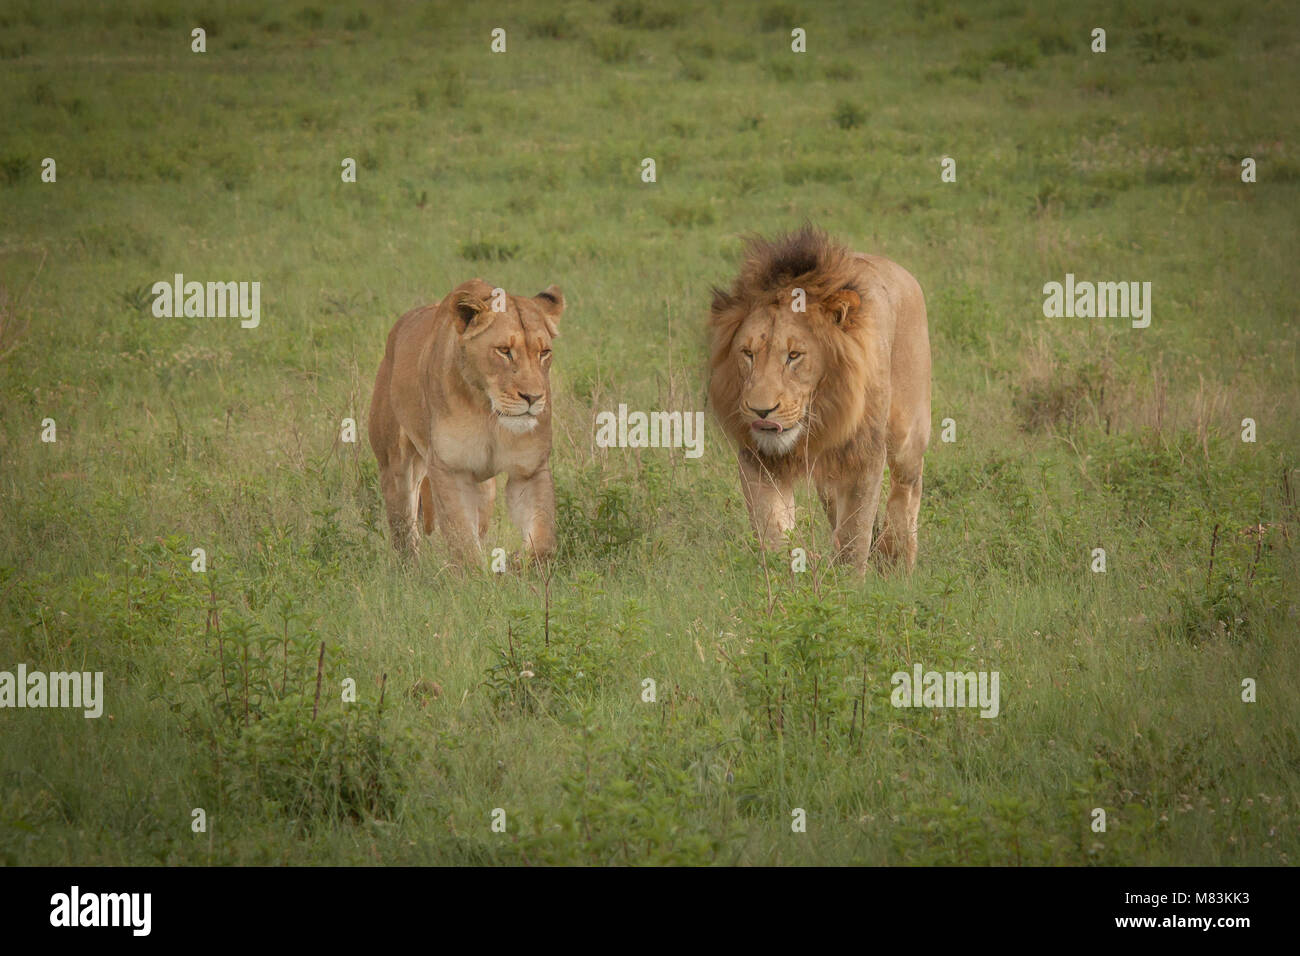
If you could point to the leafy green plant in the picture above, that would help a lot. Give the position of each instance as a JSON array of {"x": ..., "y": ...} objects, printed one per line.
[
  {"x": 1157, "y": 45},
  {"x": 803, "y": 669},
  {"x": 555, "y": 26},
  {"x": 628, "y": 801},
  {"x": 1229, "y": 602},
  {"x": 277, "y": 738},
  {"x": 559, "y": 653},
  {"x": 596, "y": 523},
  {"x": 1008, "y": 833},
  {"x": 485, "y": 250},
  {"x": 849, "y": 115},
  {"x": 633, "y": 13},
  {"x": 14, "y": 169},
  {"x": 1017, "y": 57},
  {"x": 780, "y": 17},
  {"x": 612, "y": 48}
]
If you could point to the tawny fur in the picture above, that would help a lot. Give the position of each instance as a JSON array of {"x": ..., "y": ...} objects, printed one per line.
[
  {"x": 856, "y": 396},
  {"x": 463, "y": 394}
]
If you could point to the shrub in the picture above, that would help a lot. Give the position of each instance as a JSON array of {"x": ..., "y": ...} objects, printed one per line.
[
  {"x": 849, "y": 115},
  {"x": 484, "y": 250},
  {"x": 612, "y": 48},
  {"x": 560, "y": 654},
  {"x": 278, "y": 737}
]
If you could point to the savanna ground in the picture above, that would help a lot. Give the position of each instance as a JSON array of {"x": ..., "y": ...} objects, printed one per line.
[{"x": 1120, "y": 691}]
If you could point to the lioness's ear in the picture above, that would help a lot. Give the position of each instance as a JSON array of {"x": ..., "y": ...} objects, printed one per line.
[
  {"x": 841, "y": 306},
  {"x": 469, "y": 306},
  {"x": 551, "y": 299},
  {"x": 472, "y": 313}
]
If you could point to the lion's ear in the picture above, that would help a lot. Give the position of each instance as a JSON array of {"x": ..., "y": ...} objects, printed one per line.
[
  {"x": 842, "y": 306},
  {"x": 722, "y": 301},
  {"x": 551, "y": 300}
]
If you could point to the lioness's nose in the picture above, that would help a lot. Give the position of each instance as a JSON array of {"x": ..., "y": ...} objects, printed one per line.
[
  {"x": 764, "y": 412},
  {"x": 529, "y": 398}
]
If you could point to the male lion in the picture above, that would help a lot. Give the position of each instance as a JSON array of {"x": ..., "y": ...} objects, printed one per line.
[
  {"x": 830, "y": 390},
  {"x": 464, "y": 393}
]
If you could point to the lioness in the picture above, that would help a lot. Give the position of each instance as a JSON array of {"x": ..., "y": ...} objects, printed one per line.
[
  {"x": 820, "y": 365},
  {"x": 463, "y": 394}
]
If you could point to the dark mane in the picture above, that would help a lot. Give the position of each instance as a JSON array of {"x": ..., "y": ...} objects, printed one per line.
[{"x": 807, "y": 258}]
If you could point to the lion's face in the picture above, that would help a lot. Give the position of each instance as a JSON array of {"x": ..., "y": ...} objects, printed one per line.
[
  {"x": 780, "y": 376},
  {"x": 507, "y": 355},
  {"x": 779, "y": 362}
]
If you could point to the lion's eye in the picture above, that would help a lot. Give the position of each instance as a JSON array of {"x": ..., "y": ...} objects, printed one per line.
[
  {"x": 505, "y": 352},
  {"x": 794, "y": 355},
  {"x": 747, "y": 353},
  {"x": 546, "y": 353}
]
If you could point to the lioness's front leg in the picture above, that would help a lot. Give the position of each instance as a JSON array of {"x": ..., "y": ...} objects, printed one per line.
[
  {"x": 400, "y": 481},
  {"x": 770, "y": 501},
  {"x": 487, "y": 496},
  {"x": 531, "y": 502},
  {"x": 456, "y": 511}
]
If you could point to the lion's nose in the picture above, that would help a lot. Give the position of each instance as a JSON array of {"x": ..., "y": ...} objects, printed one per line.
[
  {"x": 764, "y": 412},
  {"x": 529, "y": 398}
]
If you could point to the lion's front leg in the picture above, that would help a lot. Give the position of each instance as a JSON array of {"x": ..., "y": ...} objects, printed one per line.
[
  {"x": 854, "y": 501},
  {"x": 770, "y": 501},
  {"x": 531, "y": 502},
  {"x": 898, "y": 539}
]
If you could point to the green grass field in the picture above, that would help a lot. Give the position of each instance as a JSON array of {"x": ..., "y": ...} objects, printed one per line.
[{"x": 1121, "y": 690}]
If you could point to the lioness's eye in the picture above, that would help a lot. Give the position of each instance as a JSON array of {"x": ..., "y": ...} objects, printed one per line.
[
  {"x": 747, "y": 353},
  {"x": 546, "y": 353},
  {"x": 795, "y": 355},
  {"x": 504, "y": 351}
]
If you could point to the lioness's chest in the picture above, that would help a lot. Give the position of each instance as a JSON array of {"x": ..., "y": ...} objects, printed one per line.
[{"x": 484, "y": 450}]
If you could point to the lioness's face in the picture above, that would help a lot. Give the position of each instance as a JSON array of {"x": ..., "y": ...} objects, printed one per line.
[
  {"x": 507, "y": 355},
  {"x": 780, "y": 363}
]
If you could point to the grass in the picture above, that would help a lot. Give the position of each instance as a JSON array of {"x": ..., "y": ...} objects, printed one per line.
[{"x": 771, "y": 689}]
